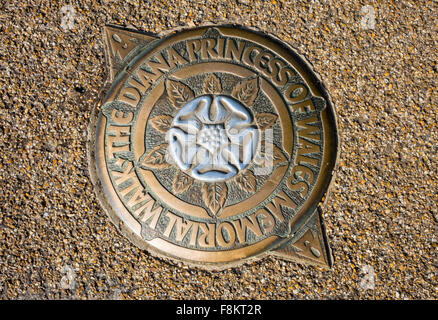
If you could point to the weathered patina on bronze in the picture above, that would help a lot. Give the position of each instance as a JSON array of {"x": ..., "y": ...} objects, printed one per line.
[{"x": 214, "y": 146}]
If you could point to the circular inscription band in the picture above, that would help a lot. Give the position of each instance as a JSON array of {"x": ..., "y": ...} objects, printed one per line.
[{"x": 213, "y": 145}]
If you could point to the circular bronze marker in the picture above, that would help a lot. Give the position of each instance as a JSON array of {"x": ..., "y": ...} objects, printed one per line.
[{"x": 213, "y": 146}]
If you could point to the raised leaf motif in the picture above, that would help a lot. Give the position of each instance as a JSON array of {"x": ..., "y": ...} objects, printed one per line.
[
  {"x": 156, "y": 158},
  {"x": 214, "y": 196},
  {"x": 162, "y": 122},
  {"x": 182, "y": 182},
  {"x": 179, "y": 93},
  {"x": 212, "y": 85},
  {"x": 265, "y": 120},
  {"x": 246, "y": 91},
  {"x": 246, "y": 181}
]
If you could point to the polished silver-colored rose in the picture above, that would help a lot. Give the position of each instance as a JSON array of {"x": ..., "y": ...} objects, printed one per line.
[{"x": 212, "y": 138}]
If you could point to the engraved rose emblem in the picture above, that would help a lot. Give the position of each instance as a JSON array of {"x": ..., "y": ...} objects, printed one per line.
[{"x": 212, "y": 139}]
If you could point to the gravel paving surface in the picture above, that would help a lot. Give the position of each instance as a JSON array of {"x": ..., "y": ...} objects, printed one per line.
[{"x": 377, "y": 59}]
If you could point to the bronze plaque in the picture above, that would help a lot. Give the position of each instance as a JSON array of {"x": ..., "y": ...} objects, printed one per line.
[{"x": 213, "y": 146}]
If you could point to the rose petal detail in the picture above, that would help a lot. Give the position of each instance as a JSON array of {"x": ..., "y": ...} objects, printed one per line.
[
  {"x": 182, "y": 147},
  {"x": 213, "y": 166}
]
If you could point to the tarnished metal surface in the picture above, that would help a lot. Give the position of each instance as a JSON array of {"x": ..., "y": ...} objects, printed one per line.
[{"x": 214, "y": 145}]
